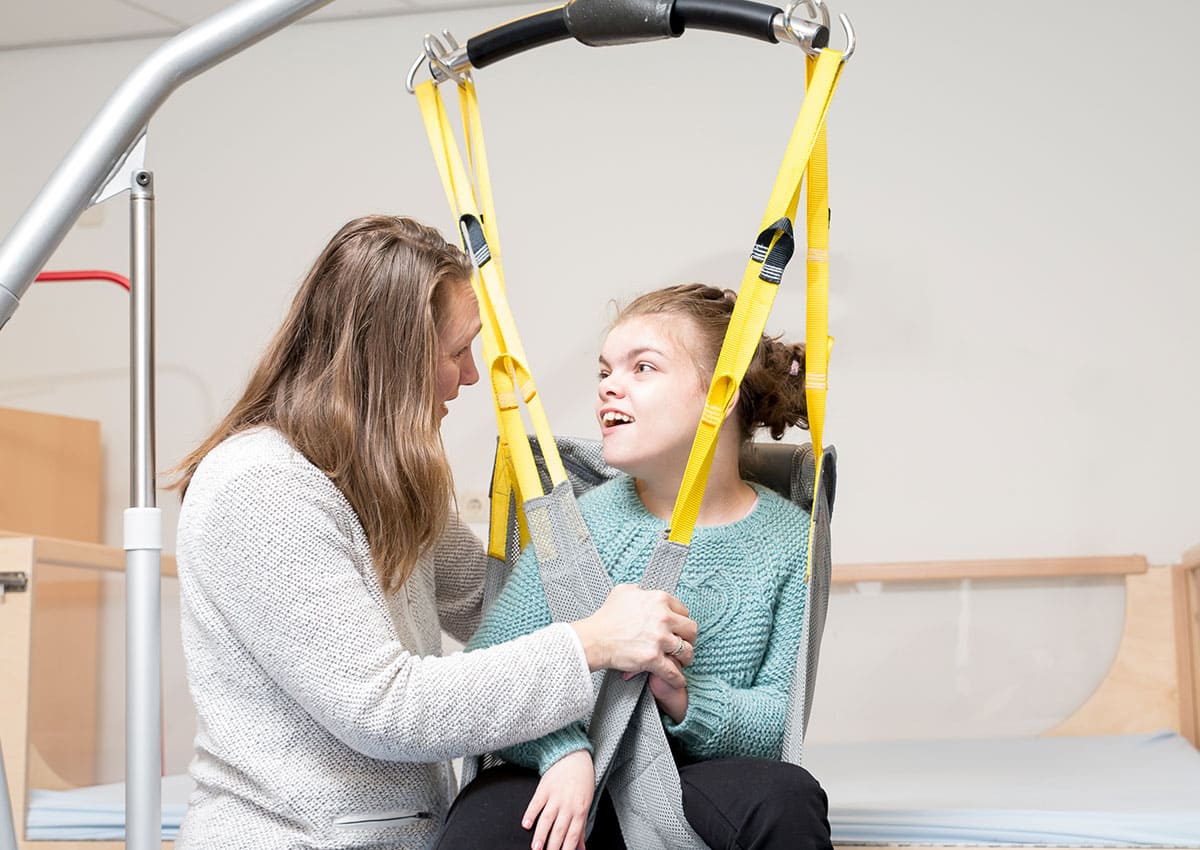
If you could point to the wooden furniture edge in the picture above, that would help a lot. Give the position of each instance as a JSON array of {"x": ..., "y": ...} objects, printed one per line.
[
  {"x": 1008, "y": 568},
  {"x": 1140, "y": 691},
  {"x": 16, "y": 609},
  {"x": 1186, "y": 586},
  {"x": 75, "y": 553}
]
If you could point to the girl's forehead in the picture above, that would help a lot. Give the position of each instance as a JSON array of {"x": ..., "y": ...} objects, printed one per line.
[{"x": 663, "y": 332}]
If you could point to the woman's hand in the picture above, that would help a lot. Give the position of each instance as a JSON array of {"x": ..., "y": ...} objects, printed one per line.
[
  {"x": 671, "y": 700},
  {"x": 638, "y": 631},
  {"x": 561, "y": 802}
]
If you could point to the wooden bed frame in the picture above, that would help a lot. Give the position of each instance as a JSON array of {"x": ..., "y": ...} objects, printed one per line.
[
  {"x": 1153, "y": 683},
  {"x": 58, "y": 754}
]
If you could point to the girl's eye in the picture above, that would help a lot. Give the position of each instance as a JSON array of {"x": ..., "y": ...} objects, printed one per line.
[
  {"x": 643, "y": 367},
  {"x": 602, "y": 374}
]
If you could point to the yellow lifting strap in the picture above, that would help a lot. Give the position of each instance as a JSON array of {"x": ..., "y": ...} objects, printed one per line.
[
  {"x": 503, "y": 355},
  {"x": 805, "y": 151}
]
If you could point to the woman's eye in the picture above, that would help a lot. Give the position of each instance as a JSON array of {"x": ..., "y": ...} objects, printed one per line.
[
  {"x": 602, "y": 374},
  {"x": 643, "y": 367}
]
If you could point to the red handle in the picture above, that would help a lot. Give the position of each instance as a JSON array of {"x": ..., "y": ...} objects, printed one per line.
[{"x": 86, "y": 274}]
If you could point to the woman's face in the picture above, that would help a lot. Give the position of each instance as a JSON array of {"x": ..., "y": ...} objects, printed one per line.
[
  {"x": 459, "y": 327},
  {"x": 651, "y": 395}
]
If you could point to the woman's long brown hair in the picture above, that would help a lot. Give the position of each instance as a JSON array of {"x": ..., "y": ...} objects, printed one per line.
[{"x": 349, "y": 379}]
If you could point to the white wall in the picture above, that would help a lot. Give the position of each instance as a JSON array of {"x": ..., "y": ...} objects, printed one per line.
[{"x": 1014, "y": 250}]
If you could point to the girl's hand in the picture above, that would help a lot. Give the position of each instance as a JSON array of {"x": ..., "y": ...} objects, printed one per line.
[
  {"x": 562, "y": 799},
  {"x": 671, "y": 700}
]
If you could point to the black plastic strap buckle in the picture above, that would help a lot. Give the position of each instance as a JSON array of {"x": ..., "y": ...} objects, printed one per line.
[
  {"x": 474, "y": 241},
  {"x": 774, "y": 258}
]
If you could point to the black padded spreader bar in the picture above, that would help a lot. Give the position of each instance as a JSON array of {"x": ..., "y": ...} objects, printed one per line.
[
  {"x": 740, "y": 18},
  {"x": 517, "y": 37},
  {"x": 602, "y": 22}
]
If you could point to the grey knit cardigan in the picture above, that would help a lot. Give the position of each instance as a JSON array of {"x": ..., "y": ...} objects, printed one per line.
[{"x": 325, "y": 713}]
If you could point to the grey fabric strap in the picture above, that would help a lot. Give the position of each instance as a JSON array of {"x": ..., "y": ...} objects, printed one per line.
[
  {"x": 800, "y": 695},
  {"x": 632, "y": 754},
  {"x": 618, "y": 699},
  {"x": 576, "y": 585}
]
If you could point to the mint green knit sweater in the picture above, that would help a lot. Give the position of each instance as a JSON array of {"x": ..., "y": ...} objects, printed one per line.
[{"x": 743, "y": 583}]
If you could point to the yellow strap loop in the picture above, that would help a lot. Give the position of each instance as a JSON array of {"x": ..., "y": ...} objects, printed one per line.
[
  {"x": 502, "y": 351},
  {"x": 757, "y": 291},
  {"x": 818, "y": 343}
]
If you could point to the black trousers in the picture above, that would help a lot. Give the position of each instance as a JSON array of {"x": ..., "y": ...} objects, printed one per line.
[{"x": 733, "y": 804}]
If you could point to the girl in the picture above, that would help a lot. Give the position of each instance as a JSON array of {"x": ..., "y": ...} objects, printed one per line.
[{"x": 743, "y": 582}]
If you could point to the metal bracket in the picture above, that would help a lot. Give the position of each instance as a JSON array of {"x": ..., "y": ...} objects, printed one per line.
[
  {"x": 811, "y": 33},
  {"x": 447, "y": 60},
  {"x": 13, "y": 583},
  {"x": 121, "y": 177}
]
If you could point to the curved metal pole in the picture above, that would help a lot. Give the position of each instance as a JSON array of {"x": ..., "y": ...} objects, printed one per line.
[
  {"x": 105, "y": 142},
  {"x": 143, "y": 545}
]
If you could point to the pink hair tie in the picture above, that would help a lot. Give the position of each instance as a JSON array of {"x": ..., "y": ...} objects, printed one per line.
[{"x": 795, "y": 368}]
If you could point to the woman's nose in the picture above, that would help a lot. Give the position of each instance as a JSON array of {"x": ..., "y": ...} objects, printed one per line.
[{"x": 469, "y": 374}]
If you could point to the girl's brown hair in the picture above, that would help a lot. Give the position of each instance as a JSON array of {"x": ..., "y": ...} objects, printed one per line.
[
  {"x": 772, "y": 392},
  {"x": 349, "y": 379}
]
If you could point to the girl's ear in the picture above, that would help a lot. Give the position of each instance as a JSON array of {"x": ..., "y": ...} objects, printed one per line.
[{"x": 733, "y": 403}]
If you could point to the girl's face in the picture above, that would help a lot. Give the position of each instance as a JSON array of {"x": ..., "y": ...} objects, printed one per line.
[{"x": 651, "y": 395}]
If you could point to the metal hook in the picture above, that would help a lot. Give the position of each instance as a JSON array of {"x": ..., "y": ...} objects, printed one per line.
[
  {"x": 847, "y": 28},
  {"x": 807, "y": 33},
  {"x": 438, "y": 53},
  {"x": 816, "y": 7},
  {"x": 819, "y": 9},
  {"x": 443, "y": 56},
  {"x": 410, "y": 82}
]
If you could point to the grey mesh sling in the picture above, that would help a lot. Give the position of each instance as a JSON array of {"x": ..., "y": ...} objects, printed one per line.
[
  {"x": 789, "y": 470},
  {"x": 631, "y": 752}
]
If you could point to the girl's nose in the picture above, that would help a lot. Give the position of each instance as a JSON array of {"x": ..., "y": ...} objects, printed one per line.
[{"x": 609, "y": 387}]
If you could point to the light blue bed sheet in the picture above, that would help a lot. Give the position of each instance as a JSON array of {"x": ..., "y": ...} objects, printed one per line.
[
  {"x": 1118, "y": 791},
  {"x": 97, "y": 813},
  {"x": 1127, "y": 791}
]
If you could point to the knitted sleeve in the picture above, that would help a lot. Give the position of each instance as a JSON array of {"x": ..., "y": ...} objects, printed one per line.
[
  {"x": 518, "y": 610},
  {"x": 459, "y": 562},
  {"x": 272, "y": 551},
  {"x": 726, "y": 722}
]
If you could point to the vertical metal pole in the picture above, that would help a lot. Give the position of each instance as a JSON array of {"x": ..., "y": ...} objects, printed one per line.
[
  {"x": 143, "y": 546},
  {"x": 8, "y": 832}
]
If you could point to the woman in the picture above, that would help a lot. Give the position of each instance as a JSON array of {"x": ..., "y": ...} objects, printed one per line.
[
  {"x": 743, "y": 581},
  {"x": 319, "y": 561}
]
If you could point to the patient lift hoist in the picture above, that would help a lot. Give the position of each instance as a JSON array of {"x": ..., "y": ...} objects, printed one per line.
[
  {"x": 534, "y": 480},
  {"x": 632, "y": 758}
]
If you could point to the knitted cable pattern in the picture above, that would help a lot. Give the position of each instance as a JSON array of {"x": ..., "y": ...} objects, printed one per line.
[
  {"x": 326, "y": 717},
  {"x": 744, "y": 585}
]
